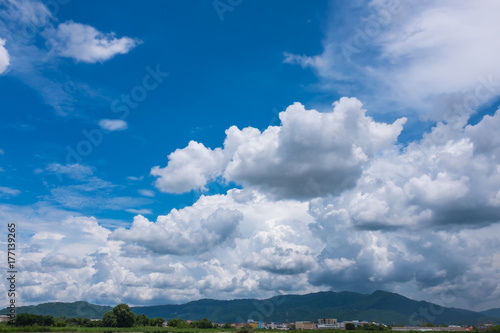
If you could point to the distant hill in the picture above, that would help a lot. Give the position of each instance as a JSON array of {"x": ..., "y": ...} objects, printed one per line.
[
  {"x": 379, "y": 306},
  {"x": 69, "y": 310},
  {"x": 492, "y": 313}
]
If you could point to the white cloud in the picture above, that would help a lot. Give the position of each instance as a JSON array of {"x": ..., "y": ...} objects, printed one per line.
[
  {"x": 35, "y": 42},
  {"x": 85, "y": 43},
  {"x": 73, "y": 171},
  {"x": 172, "y": 234},
  {"x": 189, "y": 168},
  {"x": 418, "y": 56},
  {"x": 311, "y": 154},
  {"x": 28, "y": 12},
  {"x": 134, "y": 178},
  {"x": 113, "y": 124},
  {"x": 146, "y": 193},
  {"x": 4, "y": 57},
  {"x": 143, "y": 211},
  {"x": 83, "y": 190},
  {"x": 48, "y": 236},
  {"x": 8, "y": 192},
  {"x": 283, "y": 259}
]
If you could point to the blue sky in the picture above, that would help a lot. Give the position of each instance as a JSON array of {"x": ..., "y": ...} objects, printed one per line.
[{"x": 167, "y": 151}]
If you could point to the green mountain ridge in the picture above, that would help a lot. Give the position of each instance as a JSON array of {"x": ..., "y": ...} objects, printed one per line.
[
  {"x": 77, "y": 309},
  {"x": 492, "y": 313},
  {"x": 380, "y": 306}
]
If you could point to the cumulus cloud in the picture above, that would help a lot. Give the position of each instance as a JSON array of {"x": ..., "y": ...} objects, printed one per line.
[
  {"x": 172, "y": 234},
  {"x": 4, "y": 57},
  {"x": 85, "y": 43},
  {"x": 408, "y": 225},
  {"x": 311, "y": 154},
  {"x": 283, "y": 259},
  {"x": 189, "y": 168},
  {"x": 113, "y": 124}
]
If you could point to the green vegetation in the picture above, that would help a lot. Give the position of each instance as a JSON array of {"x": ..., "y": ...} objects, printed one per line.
[
  {"x": 350, "y": 327},
  {"x": 493, "y": 329},
  {"x": 204, "y": 323},
  {"x": 119, "y": 317},
  {"x": 68, "y": 310}
]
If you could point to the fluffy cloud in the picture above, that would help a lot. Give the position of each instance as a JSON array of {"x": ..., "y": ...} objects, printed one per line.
[
  {"x": 311, "y": 154},
  {"x": 173, "y": 234},
  {"x": 189, "y": 168},
  {"x": 283, "y": 259},
  {"x": 85, "y": 43},
  {"x": 408, "y": 225},
  {"x": 4, "y": 56}
]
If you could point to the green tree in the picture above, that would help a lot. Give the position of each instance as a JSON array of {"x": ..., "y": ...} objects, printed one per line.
[
  {"x": 109, "y": 319},
  {"x": 156, "y": 322},
  {"x": 350, "y": 327},
  {"x": 172, "y": 322},
  {"x": 26, "y": 319},
  {"x": 177, "y": 323},
  {"x": 141, "y": 320},
  {"x": 227, "y": 325},
  {"x": 204, "y": 323},
  {"x": 124, "y": 316}
]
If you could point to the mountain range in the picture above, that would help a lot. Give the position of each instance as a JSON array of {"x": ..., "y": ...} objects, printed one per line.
[
  {"x": 380, "y": 306},
  {"x": 78, "y": 309}
]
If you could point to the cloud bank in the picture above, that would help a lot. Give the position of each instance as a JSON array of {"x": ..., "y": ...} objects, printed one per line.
[{"x": 406, "y": 221}]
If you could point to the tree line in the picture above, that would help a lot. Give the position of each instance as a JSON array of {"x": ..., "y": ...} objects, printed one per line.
[
  {"x": 204, "y": 323},
  {"x": 120, "y": 316}
]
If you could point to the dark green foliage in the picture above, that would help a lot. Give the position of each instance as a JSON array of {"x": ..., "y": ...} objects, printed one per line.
[
  {"x": 179, "y": 323},
  {"x": 204, "y": 323},
  {"x": 227, "y": 325},
  {"x": 109, "y": 319},
  {"x": 156, "y": 322},
  {"x": 371, "y": 327},
  {"x": 141, "y": 320},
  {"x": 350, "y": 326},
  {"x": 493, "y": 329},
  {"x": 124, "y": 316},
  {"x": 29, "y": 319}
]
